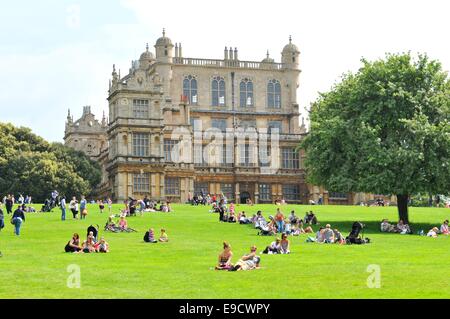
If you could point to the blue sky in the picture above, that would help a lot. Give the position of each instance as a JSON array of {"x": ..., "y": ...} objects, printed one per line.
[{"x": 56, "y": 55}]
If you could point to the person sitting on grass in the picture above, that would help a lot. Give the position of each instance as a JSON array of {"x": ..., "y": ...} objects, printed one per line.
[
  {"x": 338, "y": 238},
  {"x": 273, "y": 248},
  {"x": 319, "y": 236},
  {"x": 232, "y": 218},
  {"x": 328, "y": 235},
  {"x": 88, "y": 246},
  {"x": 164, "y": 238},
  {"x": 386, "y": 227},
  {"x": 102, "y": 246},
  {"x": 248, "y": 262},
  {"x": 284, "y": 245},
  {"x": 293, "y": 218},
  {"x": 73, "y": 245},
  {"x": 433, "y": 232},
  {"x": 225, "y": 258},
  {"x": 149, "y": 236},
  {"x": 310, "y": 218},
  {"x": 232, "y": 209},
  {"x": 123, "y": 224},
  {"x": 403, "y": 228},
  {"x": 444, "y": 228}
]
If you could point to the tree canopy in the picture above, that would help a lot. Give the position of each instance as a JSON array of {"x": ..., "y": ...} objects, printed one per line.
[
  {"x": 29, "y": 165},
  {"x": 384, "y": 129}
]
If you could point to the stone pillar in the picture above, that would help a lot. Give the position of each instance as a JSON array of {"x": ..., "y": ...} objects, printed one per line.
[
  {"x": 237, "y": 194},
  {"x": 256, "y": 193}
]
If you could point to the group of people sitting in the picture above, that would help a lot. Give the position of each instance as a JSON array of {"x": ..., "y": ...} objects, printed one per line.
[
  {"x": 249, "y": 261},
  {"x": 279, "y": 246},
  {"x": 120, "y": 226},
  {"x": 149, "y": 236},
  {"x": 90, "y": 245},
  {"x": 435, "y": 232},
  {"x": 292, "y": 225},
  {"x": 327, "y": 235},
  {"x": 400, "y": 228},
  {"x": 134, "y": 206}
]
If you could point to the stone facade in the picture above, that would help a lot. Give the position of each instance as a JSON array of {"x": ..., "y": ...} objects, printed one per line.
[{"x": 170, "y": 117}]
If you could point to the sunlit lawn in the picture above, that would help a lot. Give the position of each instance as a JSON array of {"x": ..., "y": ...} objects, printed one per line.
[{"x": 34, "y": 265}]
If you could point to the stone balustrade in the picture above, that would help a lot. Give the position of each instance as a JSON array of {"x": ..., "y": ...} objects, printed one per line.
[{"x": 227, "y": 63}]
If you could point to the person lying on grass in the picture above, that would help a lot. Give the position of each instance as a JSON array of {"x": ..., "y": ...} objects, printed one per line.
[
  {"x": 248, "y": 262},
  {"x": 149, "y": 236},
  {"x": 444, "y": 228},
  {"x": 163, "y": 237},
  {"x": 386, "y": 227},
  {"x": 225, "y": 258},
  {"x": 73, "y": 245},
  {"x": 433, "y": 232}
]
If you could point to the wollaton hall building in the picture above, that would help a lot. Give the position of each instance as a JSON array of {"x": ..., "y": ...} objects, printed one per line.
[{"x": 168, "y": 100}]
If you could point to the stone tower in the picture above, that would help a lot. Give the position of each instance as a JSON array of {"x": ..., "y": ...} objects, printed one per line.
[{"x": 86, "y": 134}]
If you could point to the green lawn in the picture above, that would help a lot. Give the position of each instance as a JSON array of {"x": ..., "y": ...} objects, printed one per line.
[{"x": 34, "y": 265}]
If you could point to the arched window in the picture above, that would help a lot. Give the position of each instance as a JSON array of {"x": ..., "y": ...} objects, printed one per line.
[
  {"x": 218, "y": 91},
  {"x": 190, "y": 89},
  {"x": 274, "y": 94},
  {"x": 246, "y": 93}
]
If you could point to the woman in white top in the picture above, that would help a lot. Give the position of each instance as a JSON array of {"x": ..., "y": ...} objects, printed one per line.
[
  {"x": 433, "y": 232},
  {"x": 73, "y": 206}
]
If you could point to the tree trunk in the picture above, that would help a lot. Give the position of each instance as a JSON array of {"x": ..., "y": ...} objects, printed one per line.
[{"x": 402, "y": 206}]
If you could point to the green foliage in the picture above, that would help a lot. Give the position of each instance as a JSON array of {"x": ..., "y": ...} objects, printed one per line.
[
  {"x": 384, "y": 129},
  {"x": 31, "y": 166}
]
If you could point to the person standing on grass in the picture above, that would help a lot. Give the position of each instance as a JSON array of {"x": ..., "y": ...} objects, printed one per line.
[
  {"x": 17, "y": 220},
  {"x": 63, "y": 207},
  {"x": 83, "y": 209},
  {"x": 279, "y": 219},
  {"x": 73, "y": 205},
  {"x": 9, "y": 204},
  {"x": 2, "y": 218},
  {"x": 110, "y": 205}
]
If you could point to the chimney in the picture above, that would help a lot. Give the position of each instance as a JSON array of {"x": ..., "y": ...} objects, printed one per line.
[
  {"x": 231, "y": 53},
  {"x": 235, "y": 53},
  {"x": 176, "y": 50},
  {"x": 225, "y": 54},
  {"x": 180, "y": 52}
]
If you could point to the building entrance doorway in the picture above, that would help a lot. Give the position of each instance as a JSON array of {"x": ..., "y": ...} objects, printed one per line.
[{"x": 244, "y": 197}]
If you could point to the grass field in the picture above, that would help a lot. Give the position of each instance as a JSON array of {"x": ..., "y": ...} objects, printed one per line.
[{"x": 34, "y": 265}]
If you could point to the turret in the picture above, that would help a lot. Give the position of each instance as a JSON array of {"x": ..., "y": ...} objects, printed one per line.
[
  {"x": 164, "y": 48},
  {"x": 290, "y": 55}
]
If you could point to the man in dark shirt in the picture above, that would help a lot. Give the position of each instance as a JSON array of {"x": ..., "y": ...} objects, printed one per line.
[{"x": 17, "y": 219}]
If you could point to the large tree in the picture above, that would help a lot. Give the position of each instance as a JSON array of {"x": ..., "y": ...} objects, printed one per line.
[
  {"x": 384, "y": 129},
  {"x": 31, "y": 166}
]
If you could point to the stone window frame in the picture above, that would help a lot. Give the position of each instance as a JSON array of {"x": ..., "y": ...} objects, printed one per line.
[
  {"x": 248, "y": 80},
  {"x": 141, "y": 182},
  {"x": 290, "y": 158},
  {"x": 275, "y": 82},
  {"x": 267, "y": 187},
  {"x": 189, "y": 96},
  {"x": 291, "y": 194},
  {"x": 171, "y": 185},
  {"x": 140, "y": 110},
  {"x": 140, "y": 143},
  {"x": 218, "y": 77}
]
